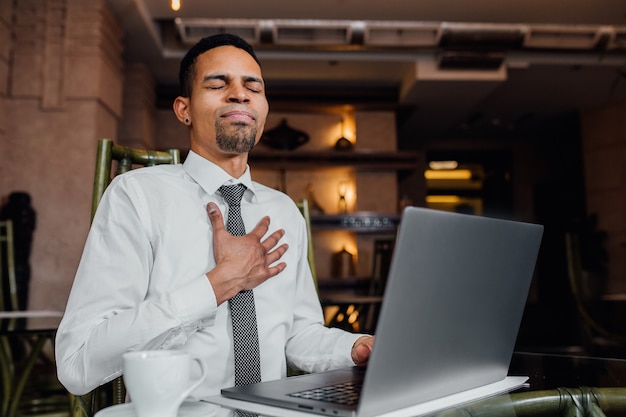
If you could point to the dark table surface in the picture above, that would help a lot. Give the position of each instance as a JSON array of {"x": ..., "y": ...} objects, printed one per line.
[
  {"x": 553, "y": 371},
  {"x": 558, "y": 385}
]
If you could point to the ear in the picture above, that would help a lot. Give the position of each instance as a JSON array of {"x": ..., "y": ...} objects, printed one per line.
[{"x": 181, "y": 109}]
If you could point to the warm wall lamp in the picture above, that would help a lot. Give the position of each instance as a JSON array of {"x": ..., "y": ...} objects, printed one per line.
[
  {"x": 175, "y": 5},
  {"x": 343, "y": 143}
]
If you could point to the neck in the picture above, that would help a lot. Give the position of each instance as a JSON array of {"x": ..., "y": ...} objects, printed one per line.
[{"x": 234, "y": 164}]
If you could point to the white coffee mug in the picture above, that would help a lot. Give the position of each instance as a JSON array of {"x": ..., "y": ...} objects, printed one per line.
[{"x": 158, "y": 381}]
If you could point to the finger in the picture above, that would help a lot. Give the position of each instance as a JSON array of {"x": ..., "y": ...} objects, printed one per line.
[
  {"x": 215, "y": 216},
  {"x": 261, "y": 228},
  {"x": 360, "y": 354},
  {"x": 362, "y": 349},
  {"x": 276, "y": 269},
  {"x": 363, "y": 353},
  {"x": 262, "y": 273},
  {"x": 276, "y": 254},
  {"x": 272, "y": 240}
]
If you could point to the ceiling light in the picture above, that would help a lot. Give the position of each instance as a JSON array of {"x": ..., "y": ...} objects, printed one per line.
[{"x": 175, "y": 5}]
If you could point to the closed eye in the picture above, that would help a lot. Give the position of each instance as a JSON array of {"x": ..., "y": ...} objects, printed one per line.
[
  {"x": 254, "y": 84},
  {"x": 217, "y": 82},
  {"x": 214, "y": 82},
  {"x": 255, "y": 88},
  {"x": 216, "y": 85}
]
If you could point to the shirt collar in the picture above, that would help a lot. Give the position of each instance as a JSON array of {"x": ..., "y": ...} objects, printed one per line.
[{"x": 211, "y": 177}]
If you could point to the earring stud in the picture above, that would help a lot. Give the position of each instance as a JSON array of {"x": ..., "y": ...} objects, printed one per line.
[{"x": 186, "y": 120}]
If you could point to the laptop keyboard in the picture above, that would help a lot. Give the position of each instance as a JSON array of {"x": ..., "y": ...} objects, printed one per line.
[{"x": 346, "y": 393}]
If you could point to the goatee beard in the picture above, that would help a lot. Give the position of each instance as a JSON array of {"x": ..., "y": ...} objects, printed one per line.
[{"x": 241, "y": 139}]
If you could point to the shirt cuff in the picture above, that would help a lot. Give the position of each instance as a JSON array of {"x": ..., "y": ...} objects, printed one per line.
[
  {"x": 188, "y": 307},
  {"x": 343, "y": 349}
]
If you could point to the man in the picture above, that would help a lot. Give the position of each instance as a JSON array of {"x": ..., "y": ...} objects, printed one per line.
[{"x": 160, "y": 270}]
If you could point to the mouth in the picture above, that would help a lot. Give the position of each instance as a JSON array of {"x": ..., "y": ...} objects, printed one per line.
[{"x": 238, "y": 116}]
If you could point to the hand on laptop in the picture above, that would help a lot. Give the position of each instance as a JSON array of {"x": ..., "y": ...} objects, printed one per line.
[{"x": 361, "y": 350}]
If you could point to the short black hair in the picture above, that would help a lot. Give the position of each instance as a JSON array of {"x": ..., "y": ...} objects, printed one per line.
[{"x": 187, "y": 65}]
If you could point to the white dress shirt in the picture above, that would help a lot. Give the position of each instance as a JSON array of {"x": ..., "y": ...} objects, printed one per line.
[{"x": 141, "y": 283}]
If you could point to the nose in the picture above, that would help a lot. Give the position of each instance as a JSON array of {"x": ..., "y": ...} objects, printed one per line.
[{"x": 238, "y": 94}]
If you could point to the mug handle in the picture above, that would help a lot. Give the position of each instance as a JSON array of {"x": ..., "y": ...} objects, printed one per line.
[{"x": 197, "y": 382}]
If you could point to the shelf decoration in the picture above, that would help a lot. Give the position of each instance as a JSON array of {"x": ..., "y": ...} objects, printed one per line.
[
  {"x": 342, "y": 189},
  {"x": 284, "y": 137},
  {"x": 343, "y": 264},
  {"x": 343, "y": 143}
]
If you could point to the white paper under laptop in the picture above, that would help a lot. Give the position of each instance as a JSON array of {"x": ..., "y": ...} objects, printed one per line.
[{"x": 453, "y": 304}]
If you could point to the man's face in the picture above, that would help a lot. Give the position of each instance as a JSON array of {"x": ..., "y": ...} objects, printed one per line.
[{"x": 228, "y": 106}]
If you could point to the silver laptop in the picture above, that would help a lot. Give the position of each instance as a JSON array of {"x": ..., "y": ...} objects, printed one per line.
[{"x": 453, "y": 304}]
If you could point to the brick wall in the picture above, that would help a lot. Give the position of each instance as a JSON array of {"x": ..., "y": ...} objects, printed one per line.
[{"x": 63, "y": 90}]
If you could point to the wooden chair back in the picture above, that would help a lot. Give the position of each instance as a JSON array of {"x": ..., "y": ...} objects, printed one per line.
[
  {"x": 303, "y": 205},
  {"x": 126, "y": 158},
  {"x": 116, "y": 159},
  {"x": 8, "y": 289},
  {"x": 8, "y": 302}
]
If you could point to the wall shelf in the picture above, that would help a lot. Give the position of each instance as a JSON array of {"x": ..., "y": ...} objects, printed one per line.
[
  {"x": 380, "y": 178},
  {"x": 358, "y": 159},
  {"x": 360, "y": 222}
]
